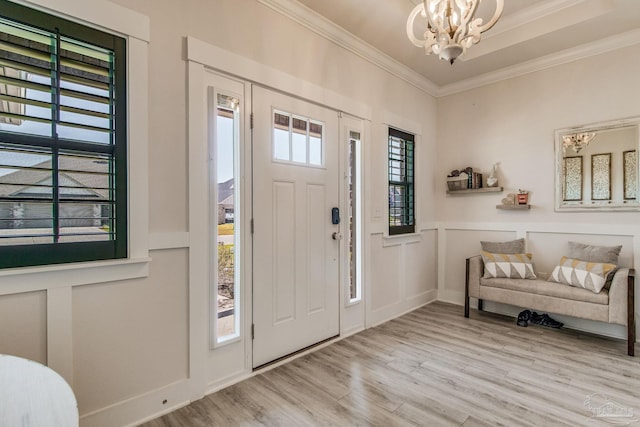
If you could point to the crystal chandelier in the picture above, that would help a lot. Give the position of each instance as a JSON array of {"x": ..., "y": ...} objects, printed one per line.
[
  {"x": 451, "y": 26},
  {"x": 577, "y": 141}
]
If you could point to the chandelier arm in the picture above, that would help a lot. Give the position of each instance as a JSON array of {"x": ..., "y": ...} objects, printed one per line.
[
  {"x": 462, "y": 32},
  {"x": 494, "y": 19},
  {"x": 437, "y": 26},
  {"x": 451, "y": 26},
  {"x": 419, "y": 9}
]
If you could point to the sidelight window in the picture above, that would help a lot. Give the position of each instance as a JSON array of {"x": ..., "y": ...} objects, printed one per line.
[
  {"x": 225, "y": 217},
  {"x": 355, "y": 215}
]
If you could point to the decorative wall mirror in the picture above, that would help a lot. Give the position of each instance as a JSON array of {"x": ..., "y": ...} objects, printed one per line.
[{"x": 597, "y": 166}]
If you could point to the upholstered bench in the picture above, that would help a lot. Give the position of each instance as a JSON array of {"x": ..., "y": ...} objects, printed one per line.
[{"x": 612, "y": 304}]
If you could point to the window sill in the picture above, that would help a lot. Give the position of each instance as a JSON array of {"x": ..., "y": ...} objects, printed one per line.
[
  {"x": 351, "y": 303},
  {"x": 30, "y": 279},
  {"x": 400, "y": 239},
  {"x": 221, "y": 342}
]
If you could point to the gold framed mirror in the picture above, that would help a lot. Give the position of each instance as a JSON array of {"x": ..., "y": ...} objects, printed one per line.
[{"x": 597, "y": 166}]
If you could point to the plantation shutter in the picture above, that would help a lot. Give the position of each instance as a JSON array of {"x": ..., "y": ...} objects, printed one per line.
[{"x": 62, "y": 141}]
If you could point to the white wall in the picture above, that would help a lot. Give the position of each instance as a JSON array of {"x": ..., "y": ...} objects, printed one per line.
[
  {"x": 513, "y": 122},
  {"x": 129, "y": 343}
]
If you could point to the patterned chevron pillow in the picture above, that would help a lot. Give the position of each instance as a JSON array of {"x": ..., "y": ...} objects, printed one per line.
[
  {"x": 581, "y": 274},
  {"x": 511, "y": 266}
]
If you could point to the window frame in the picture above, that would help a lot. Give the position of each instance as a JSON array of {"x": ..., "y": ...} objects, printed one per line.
[
  {"x": 408, "y": 225},
  {"x": 354, "y": 231},
  {"x": 218, "y": 86},
  {"x": 135, "y": 28},
  {"x": 12, "y": 256}
]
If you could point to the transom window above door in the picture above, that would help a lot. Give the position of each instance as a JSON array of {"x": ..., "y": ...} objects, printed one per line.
[{"x": 297, "y": 139}]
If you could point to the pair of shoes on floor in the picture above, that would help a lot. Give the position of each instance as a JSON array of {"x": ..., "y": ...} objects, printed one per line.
[
  {"x": 545, "y": 320},
  {"x": 527, "y": 316},
  {"x": 523, "y": 318}
]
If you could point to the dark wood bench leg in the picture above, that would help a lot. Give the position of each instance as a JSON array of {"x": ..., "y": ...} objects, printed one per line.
[
  {"x": 631, "y": 313},
  {"x": 466, "y": 291},
  {"x": 480, "y": 304}
]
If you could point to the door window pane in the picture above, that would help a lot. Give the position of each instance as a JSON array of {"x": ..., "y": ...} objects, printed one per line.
[
  {"x": 297, "y": 139},
  {"x": 281, "y": 137},
  {"x": 315, "y": 144}
]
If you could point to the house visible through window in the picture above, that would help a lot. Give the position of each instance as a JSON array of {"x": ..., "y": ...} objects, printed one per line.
[
  {"x": 401, "y": 181},
  {"x": 63, "y": 166},
  {"x": 227, "y": 277}
]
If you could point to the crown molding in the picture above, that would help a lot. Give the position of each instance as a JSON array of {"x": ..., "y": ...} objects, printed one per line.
[
  {"x": 338, "y": 35},
  {"x": 535, "y": 21},
  {"x": 529, "y": 15},
  {"x": 587, "y": 50}
]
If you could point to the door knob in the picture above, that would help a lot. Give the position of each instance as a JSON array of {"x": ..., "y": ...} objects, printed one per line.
[{"x": 336, "y": 235}]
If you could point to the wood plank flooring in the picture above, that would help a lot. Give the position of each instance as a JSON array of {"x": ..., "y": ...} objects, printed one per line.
[{"x": 433, "y": 367}]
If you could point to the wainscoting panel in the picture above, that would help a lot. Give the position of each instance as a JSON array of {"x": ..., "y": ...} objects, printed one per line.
[
  {"x": 455, "y": 246},
  {"x": 548, "y": 248},
  {"x": 23, "y": 320},
  {"x": 404, "y": 274}
]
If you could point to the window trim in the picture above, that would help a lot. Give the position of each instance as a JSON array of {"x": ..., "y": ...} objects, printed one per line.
[
  {"x": 214, "y": 88},
  {"x": 135, "y": 28},
  {"x": 407, "y": 229},
  {"x": 358, "y": 213}
]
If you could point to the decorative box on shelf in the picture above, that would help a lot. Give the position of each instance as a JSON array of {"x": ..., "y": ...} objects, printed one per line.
[
  {"x": 466, "y": 180},
  {"x": 457, "y": 184}
]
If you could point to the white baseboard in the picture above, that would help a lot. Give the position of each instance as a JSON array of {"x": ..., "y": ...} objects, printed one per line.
[
  {"x": 215, "y": 386},
  {"x": 136, "y": 410},
  {"x": 385, "y": 314}
]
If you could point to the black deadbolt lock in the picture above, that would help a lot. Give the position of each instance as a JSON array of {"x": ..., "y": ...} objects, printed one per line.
[{"x": 335, "y": 216}]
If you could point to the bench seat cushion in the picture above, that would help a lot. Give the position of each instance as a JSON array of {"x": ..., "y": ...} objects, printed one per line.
[{"x": 542, "y": 287}]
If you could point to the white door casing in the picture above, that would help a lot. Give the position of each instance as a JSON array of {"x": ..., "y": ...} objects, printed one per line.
[{"x": 296, "y": 259}]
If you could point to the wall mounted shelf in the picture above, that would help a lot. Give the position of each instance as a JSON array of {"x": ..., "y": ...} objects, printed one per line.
[
  {"x": 476, "y": 190},
  {"x": 514, "y": 207}
]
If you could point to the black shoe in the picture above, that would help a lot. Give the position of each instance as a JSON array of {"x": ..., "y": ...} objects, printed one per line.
[
  {"x": 523, "y": 318},
  {"x": 545, "y": 320}
]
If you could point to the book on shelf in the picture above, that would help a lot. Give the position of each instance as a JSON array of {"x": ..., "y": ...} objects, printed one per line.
[{"x": 474, "y": 181}]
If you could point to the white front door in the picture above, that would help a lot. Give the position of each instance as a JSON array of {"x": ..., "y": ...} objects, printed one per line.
[{"x": 295, "y": 273}]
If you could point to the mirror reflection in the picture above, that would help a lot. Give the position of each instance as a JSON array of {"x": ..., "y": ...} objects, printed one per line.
[{"x": 597, "y": 166}]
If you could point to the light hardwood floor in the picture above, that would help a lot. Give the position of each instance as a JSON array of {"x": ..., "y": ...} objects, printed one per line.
[{"x": 433, "y": 367}]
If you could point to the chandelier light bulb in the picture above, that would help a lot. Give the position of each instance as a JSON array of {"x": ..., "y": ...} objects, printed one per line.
[{"x": 451, "y": 26}]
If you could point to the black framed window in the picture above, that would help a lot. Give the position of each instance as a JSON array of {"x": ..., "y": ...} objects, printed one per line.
[
  {"x": 401, "y": 182},
  {"x": 63, "y": 135}
]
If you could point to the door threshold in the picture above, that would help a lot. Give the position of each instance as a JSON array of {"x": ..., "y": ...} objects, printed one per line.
[{"x": 288, "y": 357}]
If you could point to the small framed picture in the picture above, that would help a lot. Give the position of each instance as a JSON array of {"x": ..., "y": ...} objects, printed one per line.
[
  {"x": 630, "y": 168},
  {"x": 601, "y": 176},
  {"x": 572, "y": 185}
]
